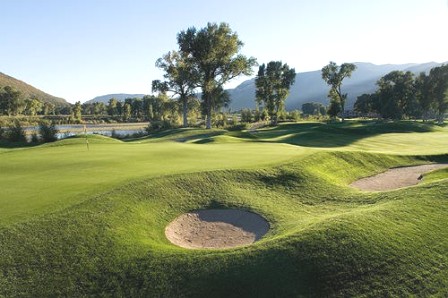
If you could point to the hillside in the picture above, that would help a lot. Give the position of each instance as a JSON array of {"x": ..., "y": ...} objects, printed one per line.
[
  {"x": 119, "y": 97},
  {"x": 310, "y": 87},
  {"x": 28, "y": 90}
]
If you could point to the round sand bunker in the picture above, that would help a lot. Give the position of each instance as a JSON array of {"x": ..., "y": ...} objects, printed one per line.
[{"x": 216, "y": 228}]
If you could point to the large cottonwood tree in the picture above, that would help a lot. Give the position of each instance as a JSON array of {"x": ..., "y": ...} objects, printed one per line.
[
  {"x": 333, "y": 75},
  {"x": 272, "y": 84},
  {"x": 213, "y": 55},
  {"x": 180, "y": 79}
]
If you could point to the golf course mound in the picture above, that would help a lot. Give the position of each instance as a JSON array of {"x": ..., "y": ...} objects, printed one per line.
[
  {"x": 216, "y": 229},
  {"x": 396, "y": 177}
]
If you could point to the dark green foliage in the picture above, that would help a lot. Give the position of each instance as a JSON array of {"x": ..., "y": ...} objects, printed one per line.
[
  {"x": 367, "y": 103},
  {"x": 181, "y": 79},
  {"x": 272, "y": 83},
  {"x": 213, "y": 55},
  {"x": 77, "y": 111},
  {"x": 313, "y": 109},
  {"x": 246, "y": 116},
  {"x": 396, "y": 92},
  {"x": 439, "y": 90},
  {"x": 335, "y": 108},
  {"x": 333, "y": 75},
  {"x": 15, "y": 133},
  {"x": 11, "y": 101},
  {"x": 48, "y": 131}
]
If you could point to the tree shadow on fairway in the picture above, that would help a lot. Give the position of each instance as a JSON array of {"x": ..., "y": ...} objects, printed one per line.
[{"x": 329, "y": 135}]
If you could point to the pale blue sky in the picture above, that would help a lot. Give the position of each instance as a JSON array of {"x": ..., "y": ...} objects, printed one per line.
[{"x": 79, "y": 49}]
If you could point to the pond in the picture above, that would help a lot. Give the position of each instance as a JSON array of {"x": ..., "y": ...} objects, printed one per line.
[{"x": 118, "y": 129}]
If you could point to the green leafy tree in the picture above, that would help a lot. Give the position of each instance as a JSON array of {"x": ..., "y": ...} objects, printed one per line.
[
  {"x": 246, "y": 116},
  {"x": 33, "y": 106},
  {"x": 333, "y": 75},
  {"x": 396, "y": 94},
  {"x": 48, "y": 131},
  {"x": 313, "y": 108},
  {"x": 439, "y": 90},
  {"x": 77, "y": 111},
  {"x": 367, "y": 103},
  {"x": 335, "y": 108},
  {"x": 112, "y": 109},
  {"x": 180, "y": 78},
  {"x": 48, "y": 108},
  {"x": 272, "y": 84},
  {"x": 16, "y": 133},
  {"x": 127, "y": 111},
  {"x": 11, "y": 102},
  {"x": 213, "y": 55}
]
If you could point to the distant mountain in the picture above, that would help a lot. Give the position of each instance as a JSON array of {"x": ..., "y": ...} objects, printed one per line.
[
  {"x": 29, "y": 91},
  {"x": 119, "y": 97},
  {"x": 309, "y": 86}
]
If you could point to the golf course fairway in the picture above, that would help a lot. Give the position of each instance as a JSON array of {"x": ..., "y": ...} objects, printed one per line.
[{"x": 78, "y": 221}]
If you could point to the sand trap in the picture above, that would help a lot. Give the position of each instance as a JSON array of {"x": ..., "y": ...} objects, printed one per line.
[
  {"x": 396, "y": 177},
  {"x": 216, "y": 228}
]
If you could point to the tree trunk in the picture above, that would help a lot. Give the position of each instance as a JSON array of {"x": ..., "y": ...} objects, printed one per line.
[
  {"x": 185, "y": 112},
  {"x": 440, "y": 118},
  {"x": 208, "y": 118}
]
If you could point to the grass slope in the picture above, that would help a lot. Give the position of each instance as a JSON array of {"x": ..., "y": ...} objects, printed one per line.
[
  {"x": 326, "y": 239},
  {"x": 28, "y": 90}
]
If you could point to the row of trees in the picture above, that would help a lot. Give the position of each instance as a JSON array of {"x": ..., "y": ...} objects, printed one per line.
[
  {"x": 13, "y": 103},
  {"x": 46, "y": 132},
  {"x": 402, "y": 95},
  {"x": 148, "y": 108}
]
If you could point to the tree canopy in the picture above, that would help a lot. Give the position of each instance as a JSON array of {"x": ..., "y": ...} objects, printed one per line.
[
  {"x": 272, "y": 86},
  {"x": 213, "y": 55},
  {"x": 333, "y": 75},
  {"x": 180, "y": 79}
]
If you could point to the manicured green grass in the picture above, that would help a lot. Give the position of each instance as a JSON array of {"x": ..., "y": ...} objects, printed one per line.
[{"x": 326, "y": 239}]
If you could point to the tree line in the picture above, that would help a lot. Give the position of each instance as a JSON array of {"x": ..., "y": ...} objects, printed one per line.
[
  {"x": 402, "y": 95},
  {"x": 208, "y": 58}
]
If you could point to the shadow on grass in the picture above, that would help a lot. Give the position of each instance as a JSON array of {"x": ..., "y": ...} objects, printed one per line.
[
  {"x": 329, "y": 135},
  {"x": 16, "y": 145}
]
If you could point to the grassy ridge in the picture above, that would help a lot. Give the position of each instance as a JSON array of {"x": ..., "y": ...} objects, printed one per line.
[
  {"x": 29, "y": 91},
  {"x": 326, "y": 239}
]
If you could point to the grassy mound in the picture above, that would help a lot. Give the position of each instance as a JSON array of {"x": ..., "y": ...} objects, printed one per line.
[{"x": 326, "y": 239}]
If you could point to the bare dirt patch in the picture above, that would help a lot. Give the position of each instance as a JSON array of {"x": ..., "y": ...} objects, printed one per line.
[
  {"x": 396, "y": 177},
  {"x": 216, "y": 228}
]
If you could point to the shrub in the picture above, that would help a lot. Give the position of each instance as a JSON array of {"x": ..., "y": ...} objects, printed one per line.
[
  {"x": 34, "y": 138},
  {"x": 2, "y": 132},
  {"x": 16, "y": 133},
  {"x": 238, "y": 127},
  {"x": 159, "y": 125},
  {"x": 48, "y": 132}
]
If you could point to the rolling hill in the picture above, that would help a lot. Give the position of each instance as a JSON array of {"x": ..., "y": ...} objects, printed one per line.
[
  {"x": 28, "y": 90},
  {"x": 310, "y": 87}
]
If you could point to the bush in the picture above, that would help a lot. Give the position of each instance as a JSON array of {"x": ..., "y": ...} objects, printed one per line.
[
  {"x": 34, "y": 138},
  {"x": 159, "y": 125},
  {"x": 2, "y": 132},
  {"x": 48, "y": 132},
  {"x": 238, "y": 127},
  {"x": 16, "y": 133}
]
